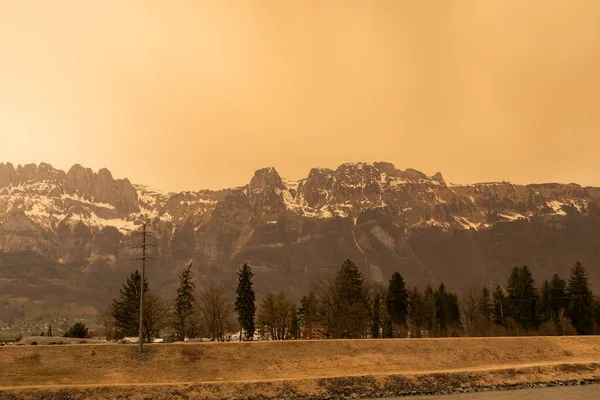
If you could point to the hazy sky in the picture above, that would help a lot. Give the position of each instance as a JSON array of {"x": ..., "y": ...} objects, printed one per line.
[{"x": 198, "y": 94}]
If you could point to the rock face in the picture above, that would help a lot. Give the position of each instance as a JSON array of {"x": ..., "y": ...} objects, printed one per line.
[
  {"x": 77, "y": 227},
  {"x": 101, "y": 187}
]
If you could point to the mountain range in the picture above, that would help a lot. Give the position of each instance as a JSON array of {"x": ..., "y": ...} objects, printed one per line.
[{"x": 69, "y": 239}]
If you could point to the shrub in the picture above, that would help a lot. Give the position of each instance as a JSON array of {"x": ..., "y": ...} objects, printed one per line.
[{"x": 78, "y": 330}]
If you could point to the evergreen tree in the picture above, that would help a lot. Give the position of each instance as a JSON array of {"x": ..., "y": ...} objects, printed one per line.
[
  {"x": 447, "y": 310},
  {"x": 126, "y": 310},
  {"x": 416, "y": 312},
  {"x": 428, "y": 310},
  {"x": 453, "y": 313},
  {"x": 184, "y": 303},
  {"x": 544, "y": 305},
  {"x": 375, "y": 295},
  {"x": 308, "y": 315},
  {"x": 387, "y": 326},
  {"x": 499, "y": 305},
  {"x": 485, "y": 305},
  {"x": 349, "y": 304},
  {"x": 79, "y": 330},
  {"x": 522, "y": 298},
  {"x": 558, "y": 300},
  {"x": 597, "y": 313},
  {"x": 441, "y": 310},
  {"x": 376, "y": 317},
  {"x": 245, "y": 301},
  {"x": 397, "y": 300},
  {"x": 581, "y": 301}
]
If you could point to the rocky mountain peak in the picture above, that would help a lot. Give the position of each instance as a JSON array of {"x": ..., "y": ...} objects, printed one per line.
[
  {"x": 8, "y": 174},
  {"x": 387, "y": 168},
  {"x": 102, "y": 187},
  {"x": 79, "y": 180},
  {"x": 438, "y": 177},
  {"x": 318, "y": 184},
  {"x": 27, "y": 172},
  {"x": 414, "y": 175},
  {"x": 266, "y": 178},
  {"x": 352, "y": 173}
]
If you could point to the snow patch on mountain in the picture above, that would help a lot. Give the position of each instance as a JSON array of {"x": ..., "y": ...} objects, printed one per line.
[
  {"x": 413, "y": 199},
  {"x": 92, "y": 202},
  {"x": 512, "y": 216},
  {"x": 385, "y": 238},
  {"x": 557, "y": 206},
  {"x": 466, "y": 224}
]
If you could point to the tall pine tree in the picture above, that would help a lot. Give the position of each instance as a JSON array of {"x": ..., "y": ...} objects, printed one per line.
[
  {"x": 499, "y": 301},
  {"x": 545, "y": 312},
  {"x": 428, "y": 310},
  {"x": 397, "y": 300},
  {"x": 375, "y": 295},
  {"x": 245, "y": 302},
  {"x": 441, "y": 310},
  {"x": 184, "y": 303},
  {"x": 581, "y": 302},
  {"x": 416, "y": 312},
  {"x": 558, "y": 298},
  {"x": 126, "y": 310},
  {"x": 447, "y": 311},
  {"x": 522, "y": 298},
  {"x": 350, "y": 305},
  {"x": 308, "y": 315},
  {"x": 485, "y": 305}
]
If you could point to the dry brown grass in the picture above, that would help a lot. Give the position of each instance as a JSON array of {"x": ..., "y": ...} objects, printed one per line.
[
  {"x": 220, "y": 362},
  {"x": 328, "y": 388}
]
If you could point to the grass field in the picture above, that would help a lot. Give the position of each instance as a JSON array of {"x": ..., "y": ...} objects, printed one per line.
[
  {"x": 204, "y": 362},
  {"x": 307, "y": 361}
]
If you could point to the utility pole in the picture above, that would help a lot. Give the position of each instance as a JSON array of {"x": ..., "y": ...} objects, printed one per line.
[
  {"x": 141, "y": 332},
  {"x": 144, "y": 245}
]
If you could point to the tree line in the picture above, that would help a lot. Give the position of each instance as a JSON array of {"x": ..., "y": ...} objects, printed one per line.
[{"x": 346, "y": 305}]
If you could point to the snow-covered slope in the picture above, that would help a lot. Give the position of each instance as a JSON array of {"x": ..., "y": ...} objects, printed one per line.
[{"x": 50, "y": 197}]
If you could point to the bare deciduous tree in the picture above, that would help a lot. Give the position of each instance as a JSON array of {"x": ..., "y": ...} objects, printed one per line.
[
  {"x": 375, "y": 295},
  {"x": 325, "y": 290},
  {"x": 109, "y": 324},
  {"x": 156, "y": 314},
  {"x": 276, "y": 314},
  {"x": 215, "y": 311},
  {"x": 469, "y": 310}
]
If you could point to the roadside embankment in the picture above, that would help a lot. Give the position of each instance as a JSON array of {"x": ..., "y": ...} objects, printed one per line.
[{"x": 295, "y": 369}]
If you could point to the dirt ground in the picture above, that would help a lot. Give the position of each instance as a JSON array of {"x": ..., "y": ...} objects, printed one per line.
[{"x": 90, "y": 364}]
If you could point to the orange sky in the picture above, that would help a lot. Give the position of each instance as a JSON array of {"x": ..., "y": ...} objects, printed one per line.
[{"x": 198, "y": 94}]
